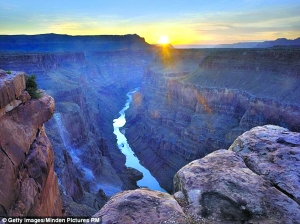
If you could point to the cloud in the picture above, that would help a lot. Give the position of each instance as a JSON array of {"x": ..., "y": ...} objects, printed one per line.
[
  {"x": 205, "y": 23},
  {"x": 262, "y": 24},
  {"x": 8, "y": 6}
]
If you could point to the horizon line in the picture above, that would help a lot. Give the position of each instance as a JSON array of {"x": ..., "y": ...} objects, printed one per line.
[{"x": 176, "y": 46}]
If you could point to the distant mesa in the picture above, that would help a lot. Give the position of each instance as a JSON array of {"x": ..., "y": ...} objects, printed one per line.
[
  {"x": 280, "y": 42},
  {"x": 62, "y": 42},
  {"x": 169, "y": 46}
]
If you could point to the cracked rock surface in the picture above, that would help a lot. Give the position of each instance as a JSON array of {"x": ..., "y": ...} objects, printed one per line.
[
  {"x": 142, "y": 206},
  {"x": 274, "y": 153},
  {"x": 220, "y": 188},
  {"x": 255, "y": 181}
]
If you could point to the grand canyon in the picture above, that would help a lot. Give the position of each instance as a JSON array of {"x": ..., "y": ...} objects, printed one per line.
[{"x": 217, "y": 128}]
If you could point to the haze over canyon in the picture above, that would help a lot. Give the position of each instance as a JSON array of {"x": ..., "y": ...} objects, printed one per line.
[{"x": 185, "y": 108}]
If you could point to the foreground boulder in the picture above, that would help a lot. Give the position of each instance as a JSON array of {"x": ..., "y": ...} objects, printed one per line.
[
  {"x": 141, "y": 206},
  {"x": 222, "y": 189},
  {"x": 255, "y": 181},
  {"x": 258, "y": 184},
  {"x": 274, "y": 153}
]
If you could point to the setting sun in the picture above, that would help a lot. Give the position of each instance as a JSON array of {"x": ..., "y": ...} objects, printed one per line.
[{"x": 163, "y": 40}]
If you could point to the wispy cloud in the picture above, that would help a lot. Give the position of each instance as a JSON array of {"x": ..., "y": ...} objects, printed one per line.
[
  {"x": 8, "y": 6},
  {"x": 207, "y": 23},
  {"x": 258, "y": 25}
]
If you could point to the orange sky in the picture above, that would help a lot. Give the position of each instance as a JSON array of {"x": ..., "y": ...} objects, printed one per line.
[{"x": 184, "y": 22}]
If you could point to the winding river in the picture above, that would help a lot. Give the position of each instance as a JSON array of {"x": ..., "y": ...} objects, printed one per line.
[{"x": 131, "y": 160}]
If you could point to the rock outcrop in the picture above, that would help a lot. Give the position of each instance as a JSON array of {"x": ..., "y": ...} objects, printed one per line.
[
  {"x": 191, "y": 103},
  {"x": 220, "y": 188},
  {"x": 255, "y": 181},
  {"x": 28, "y": 182},
  {"x": 273, "y": 153},
  {"x": 141, "y": 206},
  {"x": 194, "y": 102},
  {"x": 88, "y": 77}
]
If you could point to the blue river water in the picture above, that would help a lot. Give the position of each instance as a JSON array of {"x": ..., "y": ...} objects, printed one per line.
[{"x": 131, "y": 160}]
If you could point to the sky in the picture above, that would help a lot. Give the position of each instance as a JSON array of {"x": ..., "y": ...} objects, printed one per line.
[{"x": 185, "y": 22}]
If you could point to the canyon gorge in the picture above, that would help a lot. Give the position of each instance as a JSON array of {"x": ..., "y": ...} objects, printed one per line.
[
  {"x": 89, "y": 88},
  {"x": 191, "y": 105},
  {"x": 193, "y": 102}
]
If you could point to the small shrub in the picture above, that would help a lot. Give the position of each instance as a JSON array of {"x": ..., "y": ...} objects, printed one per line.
[
  {"x": 8, "y": 72},
  {"x": 31, "y": 87}
]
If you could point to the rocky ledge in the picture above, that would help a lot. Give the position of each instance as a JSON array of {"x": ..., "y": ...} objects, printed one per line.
[
  {"x": 27, "y": 178},
  {"x": 255, "y": 181}
]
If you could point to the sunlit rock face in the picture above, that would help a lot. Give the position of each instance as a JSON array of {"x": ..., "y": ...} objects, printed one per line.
[
  {"x": 88, "y": 77},
  {"x": 28, "y": 182},
  {"x": 194, "y": 102}
]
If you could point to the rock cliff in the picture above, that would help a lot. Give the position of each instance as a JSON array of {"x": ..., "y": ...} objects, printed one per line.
[
  {"x": 255, "y": 181},
  {"x": 88, "y": 77},
  {"x": 193, "y": 102},
  {"x": 28, "y": 182}
]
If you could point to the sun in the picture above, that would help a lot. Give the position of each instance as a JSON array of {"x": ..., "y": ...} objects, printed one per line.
[{"x": 163, "y": 40}]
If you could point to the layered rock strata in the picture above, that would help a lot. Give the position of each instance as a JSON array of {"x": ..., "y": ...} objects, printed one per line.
[
  {"x": 192, "y": 103},
  {"x": 89, "y": 85},
  {"x": 28, "y": 182},
  {"x": 255, "y": 181}
]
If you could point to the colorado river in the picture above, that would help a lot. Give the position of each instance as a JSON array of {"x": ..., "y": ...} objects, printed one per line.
[{"x": 131, "y": 160}]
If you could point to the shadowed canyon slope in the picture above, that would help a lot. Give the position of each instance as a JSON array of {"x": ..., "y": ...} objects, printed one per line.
[
  {"x": 88, "y": 77},
  {"x": 255, "y": 181},
  {"x": 193, "y": 102},
  {"x": 190, "y": 103}
]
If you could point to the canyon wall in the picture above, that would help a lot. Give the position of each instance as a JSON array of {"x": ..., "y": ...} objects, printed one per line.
[
  {"x": 89, "y": 85},
  {"x": 193, "y": 102},
  {"x": 29, "y": 184},
  {"x": 255, "y": 181}
]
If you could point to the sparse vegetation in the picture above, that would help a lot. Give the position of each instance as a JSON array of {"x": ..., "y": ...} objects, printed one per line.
[
  {"x": 31, "y": 87},
  {"x": 8, "y": 72}
]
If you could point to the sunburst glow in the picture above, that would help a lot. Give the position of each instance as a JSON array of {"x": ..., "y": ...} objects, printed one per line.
[{"x": 163, "y": 40}]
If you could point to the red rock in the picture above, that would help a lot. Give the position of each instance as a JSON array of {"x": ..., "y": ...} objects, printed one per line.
[
  {"x": 19, "y": 126},
  {"x": 11, "y": 87},
  {"x": 28, "y": 182},
  {"x": 39, "y": 193}
]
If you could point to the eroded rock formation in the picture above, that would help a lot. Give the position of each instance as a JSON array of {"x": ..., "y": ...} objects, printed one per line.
[
  {"x": 88, "y": 77},
  {"x": 255, "y": 181},
  {"x": 193, "y": 102},
  {"x": 28, "y": 181},
  {"x": 141, "y": 206},
  {"x": 221, "y": 188},
  {"x": 273, "y": 153}
]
